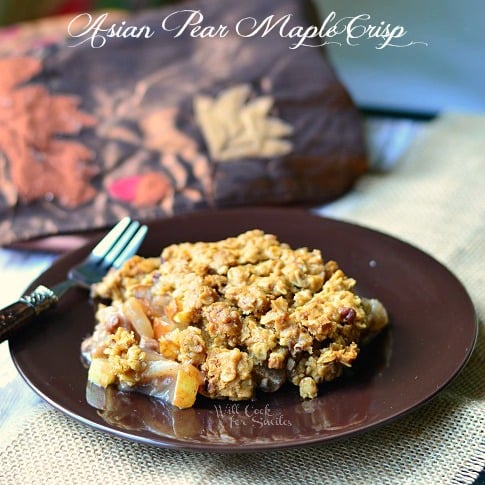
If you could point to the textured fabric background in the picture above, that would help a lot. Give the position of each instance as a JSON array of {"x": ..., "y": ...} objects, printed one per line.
[
  {"x": 134, "y": 145},
  {"x": 433, "y": 199}
]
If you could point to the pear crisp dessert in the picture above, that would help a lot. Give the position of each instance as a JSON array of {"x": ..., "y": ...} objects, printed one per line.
[{"x": 227, "y": 318}]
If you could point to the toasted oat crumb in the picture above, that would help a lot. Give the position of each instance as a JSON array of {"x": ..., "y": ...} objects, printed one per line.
[
  {"x": 245, "y": 311},
  {"x": 125, "y": 357}
]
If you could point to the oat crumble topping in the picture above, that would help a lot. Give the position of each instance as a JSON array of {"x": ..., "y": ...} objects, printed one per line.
[{"x": 247, "y": 313}]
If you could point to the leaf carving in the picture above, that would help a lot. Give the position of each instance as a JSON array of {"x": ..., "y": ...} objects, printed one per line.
[
  {"x": 40, "y": 163},
  {"x": 162, "y": 134},
  {"x": 141, "y": 190},
  {"x": 179, "y": 156},
  {"x": 234, "y": 127}
]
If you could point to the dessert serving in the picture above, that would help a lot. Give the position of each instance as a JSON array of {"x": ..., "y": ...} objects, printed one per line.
[{"x": 226, "y": 320}]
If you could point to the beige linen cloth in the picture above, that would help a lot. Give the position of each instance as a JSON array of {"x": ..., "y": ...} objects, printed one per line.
[{"x": 433, "y": 199}]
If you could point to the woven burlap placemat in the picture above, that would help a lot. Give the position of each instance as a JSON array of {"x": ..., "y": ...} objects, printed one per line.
[{"x": 432, "y": 199}]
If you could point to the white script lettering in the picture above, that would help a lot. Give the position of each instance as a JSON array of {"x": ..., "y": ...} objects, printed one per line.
[
  {"x": 351, "y": 28},
  {"x": 95, "y": 33},
  {"x": 192, "y": 24}
]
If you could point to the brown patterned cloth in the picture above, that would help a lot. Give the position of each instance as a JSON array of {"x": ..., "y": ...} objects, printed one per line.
[{"x": 90, "y": 135}]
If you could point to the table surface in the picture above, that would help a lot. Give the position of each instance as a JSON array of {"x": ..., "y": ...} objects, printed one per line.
[{"x": 387, "y": 139}]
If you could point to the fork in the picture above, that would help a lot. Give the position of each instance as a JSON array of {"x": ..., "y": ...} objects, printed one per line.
[{"x": 112, "y": 251}]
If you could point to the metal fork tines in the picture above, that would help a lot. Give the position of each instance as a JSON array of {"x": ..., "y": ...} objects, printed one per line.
[{"x": 120, "y": 244}]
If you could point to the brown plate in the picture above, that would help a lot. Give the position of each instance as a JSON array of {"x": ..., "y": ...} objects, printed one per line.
[{"x": 432, "y": 332}]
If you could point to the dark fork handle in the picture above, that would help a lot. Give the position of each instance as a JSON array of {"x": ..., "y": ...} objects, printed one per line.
[{"x": 19, "y": 314}]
